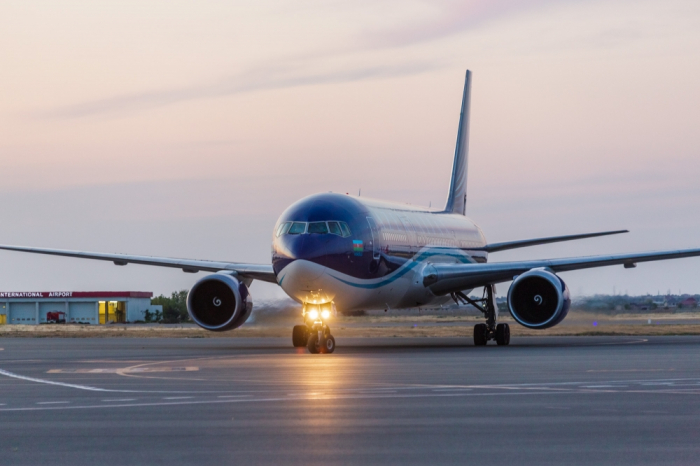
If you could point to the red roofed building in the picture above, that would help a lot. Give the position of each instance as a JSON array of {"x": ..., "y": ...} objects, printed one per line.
[{"x": 689, "y": 302}]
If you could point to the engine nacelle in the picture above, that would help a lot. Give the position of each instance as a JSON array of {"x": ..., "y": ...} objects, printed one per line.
[
  {"x": 538, "y": 299},
  {"x": 219, "y": 302}
]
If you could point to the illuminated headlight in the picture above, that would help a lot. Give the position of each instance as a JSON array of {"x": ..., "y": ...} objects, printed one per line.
[
  {"x": 325, "y": 313},
  {"x": 313, "y": 314}
]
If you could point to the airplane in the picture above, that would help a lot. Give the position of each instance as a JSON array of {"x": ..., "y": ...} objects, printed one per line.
[{"x": 335, "y": 252}]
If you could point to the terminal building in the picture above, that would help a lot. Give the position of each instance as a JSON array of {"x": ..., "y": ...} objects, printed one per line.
[{"x": 83, "y": 307}]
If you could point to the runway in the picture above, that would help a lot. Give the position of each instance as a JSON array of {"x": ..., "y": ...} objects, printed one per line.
[{"x": 551, "y": 400}]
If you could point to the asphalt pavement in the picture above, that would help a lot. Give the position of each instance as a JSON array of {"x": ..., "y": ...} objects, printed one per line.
[{"x": 550, "y": 400}]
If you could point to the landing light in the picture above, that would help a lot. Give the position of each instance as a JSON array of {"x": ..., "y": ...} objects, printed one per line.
[
  {"x": 313, "y": 314},
  {"x": 325, "y": 313}
]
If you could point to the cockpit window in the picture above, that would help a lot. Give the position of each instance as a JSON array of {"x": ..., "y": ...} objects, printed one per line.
[
  {"x": 297, "y": 228},
  {"x": 283, "y": 229},
  {"x": 318, "y": 227},
  {"x": 334, "y": 228}
]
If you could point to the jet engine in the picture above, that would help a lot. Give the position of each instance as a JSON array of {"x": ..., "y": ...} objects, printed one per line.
[
  {"x": 538, "y": 299},
  {"x": 219, "y": 302}
]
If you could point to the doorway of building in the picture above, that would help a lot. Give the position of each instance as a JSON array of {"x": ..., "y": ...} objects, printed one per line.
[{"x": 112, "y": 311}]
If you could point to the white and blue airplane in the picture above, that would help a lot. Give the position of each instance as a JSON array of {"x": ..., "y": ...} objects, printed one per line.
[{"x": 339, "y": 252}]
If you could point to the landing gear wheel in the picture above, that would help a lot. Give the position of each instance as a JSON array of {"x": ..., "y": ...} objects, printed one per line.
[
  {"x": 328, "y": 344},
  {"x": 300, "y": 336},
  {"x": 503, "y": 334},
  {"x": 313, "y": 345},
  {"x": 481, "y": 332}
]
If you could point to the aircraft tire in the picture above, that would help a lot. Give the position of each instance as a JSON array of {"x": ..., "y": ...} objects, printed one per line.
[
  {"x": 300, "y": 336},
  {"x": 327, "y": 345},
  {"x": 313, "y": 344},
  {"x": 480, "y": 335},
  {"x": 502, "y": 334}
]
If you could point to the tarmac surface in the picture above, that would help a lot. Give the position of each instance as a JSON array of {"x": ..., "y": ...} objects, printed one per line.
[{"x": 549, "y": 400}]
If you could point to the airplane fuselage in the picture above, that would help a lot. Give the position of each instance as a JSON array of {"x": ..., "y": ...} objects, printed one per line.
[{"x": 362, "y": 253}]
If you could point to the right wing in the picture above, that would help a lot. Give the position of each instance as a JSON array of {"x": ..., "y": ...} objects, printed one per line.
[
  {"x": 495, "y": 247},
  {"x": 252, "y": 271},
  {"x": 448, "y": 278}
]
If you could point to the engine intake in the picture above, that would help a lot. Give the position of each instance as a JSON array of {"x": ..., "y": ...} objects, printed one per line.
[
  {"x": 219, "y": 302},
  {"x": 538, "y": 299}
]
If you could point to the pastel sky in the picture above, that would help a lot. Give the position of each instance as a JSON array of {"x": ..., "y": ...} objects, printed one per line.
[{"x": 183, "y": 128}]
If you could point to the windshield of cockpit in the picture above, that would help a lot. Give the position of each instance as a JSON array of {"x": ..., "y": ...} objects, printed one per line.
[{"x": 332, "y": 227}]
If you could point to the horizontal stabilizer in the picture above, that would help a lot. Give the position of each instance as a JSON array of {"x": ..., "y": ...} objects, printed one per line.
[{"x": 495, "y": 247}]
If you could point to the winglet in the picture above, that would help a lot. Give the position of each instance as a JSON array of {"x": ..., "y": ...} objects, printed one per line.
[{"x": 457, "y": 196}]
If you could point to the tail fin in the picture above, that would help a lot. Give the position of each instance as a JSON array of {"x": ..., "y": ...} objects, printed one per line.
[{"x": 457, "y": 197}]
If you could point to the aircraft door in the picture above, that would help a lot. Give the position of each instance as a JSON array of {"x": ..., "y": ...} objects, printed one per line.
[{"x": 376, "y": 246}]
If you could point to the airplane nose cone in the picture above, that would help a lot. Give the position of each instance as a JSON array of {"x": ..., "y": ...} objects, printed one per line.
[{"x": 290, "y": 249}]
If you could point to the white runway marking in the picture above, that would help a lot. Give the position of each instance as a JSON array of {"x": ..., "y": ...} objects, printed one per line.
[
  {"x": 452, "y": 389},
  {"x": 122, "y": 370},
  {"x": 632, "y": 370},
  {"x": 79, "y": 387},
  {"x": 60, "y": 384},
  {"x": 275, "y": 399},
  {"x": 52, "y": 402},
  {"x": 562, "y": 388},
  {"x": 117, "y": 400},
  {"x": 633, "y": 342}
]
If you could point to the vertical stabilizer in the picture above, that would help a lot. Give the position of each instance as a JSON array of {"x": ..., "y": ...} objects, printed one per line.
[{"x": 457, "y": 196}]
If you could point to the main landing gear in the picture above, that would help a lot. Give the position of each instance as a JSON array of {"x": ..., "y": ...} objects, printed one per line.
[
  {"x": 490, "y": 330},
  {"x": 317, "y": 339},
  {"x": 314, "y": 334}
]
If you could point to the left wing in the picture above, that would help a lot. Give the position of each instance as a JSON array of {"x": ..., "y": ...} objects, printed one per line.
[
  {"x": 252, "y": 271},
  {"x": 448, "y": 278}
]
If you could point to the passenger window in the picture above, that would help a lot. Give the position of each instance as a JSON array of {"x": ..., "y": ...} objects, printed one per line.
[
  {"x": 318, "y": 227},
  {"x": 283, "y": 229},
  {"x": 334, "y": 228},
  {"x": 345, "y": 229},
  {"x": 297, "y": 228}
]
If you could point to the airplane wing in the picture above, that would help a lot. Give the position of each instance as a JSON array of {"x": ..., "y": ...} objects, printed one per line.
[
  {"x": 495, "y": 247},
  {"x": 252, "y": 271},
  {"x": 448, "y": 278}
]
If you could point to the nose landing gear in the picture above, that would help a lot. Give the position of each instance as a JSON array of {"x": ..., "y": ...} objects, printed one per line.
[
  {"x": 317, "y": 339},
  {"x": 315, "y": 335}
]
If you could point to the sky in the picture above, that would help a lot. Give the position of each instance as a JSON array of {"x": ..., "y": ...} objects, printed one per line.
[{"x": 183, "y": 128}]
